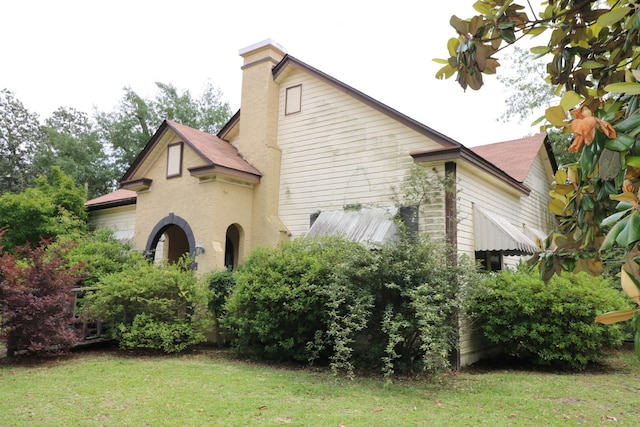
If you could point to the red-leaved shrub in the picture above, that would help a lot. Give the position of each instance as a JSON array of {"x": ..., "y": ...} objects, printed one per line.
[{"x": 36, "y": 301}]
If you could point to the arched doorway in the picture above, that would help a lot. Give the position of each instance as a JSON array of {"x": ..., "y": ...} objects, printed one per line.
[
  {"x": 232, "y": 246},
  {"x": 170, "y": 239}
]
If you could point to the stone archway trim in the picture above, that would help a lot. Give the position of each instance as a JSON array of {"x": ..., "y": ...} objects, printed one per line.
[{"x": 162, "y": 225}]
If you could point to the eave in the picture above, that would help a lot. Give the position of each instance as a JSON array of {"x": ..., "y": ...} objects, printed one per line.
[
  {"x": 211, "y": 171},
  {"x": 137, "y": 184},
  {"x": 463, "y": 153}
]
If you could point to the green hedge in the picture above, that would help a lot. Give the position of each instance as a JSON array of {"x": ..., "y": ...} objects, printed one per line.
[{"x": 548, "y": 324}]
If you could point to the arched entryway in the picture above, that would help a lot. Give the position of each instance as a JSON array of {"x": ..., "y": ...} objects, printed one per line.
[
  {"x": 232, "y": 246},
  {"x": 170, "y": 239}
]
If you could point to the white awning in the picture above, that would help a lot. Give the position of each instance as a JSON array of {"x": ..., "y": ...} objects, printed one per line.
[
  {"x": 493, "y": 232},
  {"x": 368, "y": 226}
]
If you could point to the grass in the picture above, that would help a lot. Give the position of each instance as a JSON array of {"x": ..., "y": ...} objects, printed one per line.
[{"x": 211, "y": 388}]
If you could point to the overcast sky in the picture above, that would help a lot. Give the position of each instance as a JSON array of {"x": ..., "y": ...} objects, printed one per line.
[{"x": 81, "y": 54}]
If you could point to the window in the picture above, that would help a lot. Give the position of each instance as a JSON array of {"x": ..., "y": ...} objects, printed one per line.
[
  {"x": 174, "y": 160},
  {"x": 489, "y": 260},
  {"x": 293, "y": 102}
]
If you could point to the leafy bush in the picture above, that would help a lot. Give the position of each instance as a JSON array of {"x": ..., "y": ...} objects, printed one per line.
[
  {"x": 548, "y": 324},
  {"x": 98, "y": 254},
  {"x": 331, "y": 300},
  {"x": 277, "y": 305},
  {"x": 36, "y": 300},
  {"x": 161, "y": 307}
]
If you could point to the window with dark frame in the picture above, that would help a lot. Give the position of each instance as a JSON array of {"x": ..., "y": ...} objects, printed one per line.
[
  {"x": 293, "y": 101},
  {"x": 489, "y": 260},
  {"x": 174, "y": 160}
]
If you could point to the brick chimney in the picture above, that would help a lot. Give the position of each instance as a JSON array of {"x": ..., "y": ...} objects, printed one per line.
[{"x": 258, "y": 141}]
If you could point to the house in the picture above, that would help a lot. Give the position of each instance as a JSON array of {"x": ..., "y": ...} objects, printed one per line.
[{"x": 302, "y": 148}]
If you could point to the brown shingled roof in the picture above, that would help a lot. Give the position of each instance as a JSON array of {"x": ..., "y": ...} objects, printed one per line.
[
  {"x": 119, "y": 197},
  {"x": 215, "y": 150},
  {"x": 514, "y": 157}
]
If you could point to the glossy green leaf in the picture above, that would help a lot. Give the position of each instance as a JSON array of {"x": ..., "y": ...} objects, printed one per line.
[
  {"x": 612, "y": 235},
  {"x": 622, "y": 142},
  {"x": 631, "y": 231},
  {"x": 628, "y": 124},
  {"x": 610, "y": 18},
  {"x": 633, "y": 161},
  {"x": 627, "y": 196},
  {"x": 624, "y": 87},
  {"x": 614, "y": 218}
]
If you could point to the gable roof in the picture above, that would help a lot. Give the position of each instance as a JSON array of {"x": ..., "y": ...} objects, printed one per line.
[
  {"x": 515, "y": 157},
  {"x": 214, "y": 151}
]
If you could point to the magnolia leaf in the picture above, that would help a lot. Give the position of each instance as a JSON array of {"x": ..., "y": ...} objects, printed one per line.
[
  {"x": 569, "y": 100},
  {"x": 622, "y": 142},
  {"x": 615, "y": 316},
  {"x": 628, "y": 124},
  {"x": 631, "y": 231},
  {"x": 627, "y": 196},
  {"x": 590, "y": 65},
  {"x": 445, "y": 72},
  {"x": 452, "y": 46},
  {"x": 561, "y": 176},
  {"x": 535, "y": 31},
  {"x": 613, "y": 234},
  {"x": 460, "y": 25},
  {"x": 540, "y": 50},
  {"x": 613, "y": 218},
  {"x": 562, "y": 190},
  {"x": 556, "y": 115},
  {"x": 636, "y": 74},
  {"x": 440, "y": 61},
  {"x": 623, "y": 87},
  {"x": 558, "y": 207},
  {"x": 610, "y": 18},
  {"x": 633, "y": 161},
  {"x": 609, "y": 164},
  {"x": 482, "y": 7},
  {"x": 629, "y": 284}
]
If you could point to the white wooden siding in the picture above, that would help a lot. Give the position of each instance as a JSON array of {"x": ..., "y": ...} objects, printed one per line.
[
  {"x": 122, "y": 220},
  {"x": 338, "y": 151}
]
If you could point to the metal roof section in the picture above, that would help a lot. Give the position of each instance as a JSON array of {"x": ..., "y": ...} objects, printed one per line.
[
  {"x": 371, "y": 227},
  {"x": 493, "y": 232}
]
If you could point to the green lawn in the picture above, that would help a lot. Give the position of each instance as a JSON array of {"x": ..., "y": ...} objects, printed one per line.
[{"x": 210, "y": 388}]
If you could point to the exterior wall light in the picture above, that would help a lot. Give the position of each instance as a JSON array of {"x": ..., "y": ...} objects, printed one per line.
[{"x": 199, "y": 249}]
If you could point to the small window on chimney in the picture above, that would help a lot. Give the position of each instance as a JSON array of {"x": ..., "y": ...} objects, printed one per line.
[
  {"x": 174, "y": 160},
  {"x": 293, "y": 102}
]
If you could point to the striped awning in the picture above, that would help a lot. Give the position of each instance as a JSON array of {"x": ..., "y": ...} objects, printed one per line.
[
  {"x": 493, "y": 232},
  {"x": 369, "y": 226}
]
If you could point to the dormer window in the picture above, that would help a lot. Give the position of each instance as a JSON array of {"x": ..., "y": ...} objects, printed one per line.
[
  {"x": 174, "y": 160},
  {"x": 293, "y": 101}
]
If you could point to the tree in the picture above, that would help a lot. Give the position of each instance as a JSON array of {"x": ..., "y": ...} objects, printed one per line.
[
  {"x": 71, "y": 143},
  {"x": 53, "y": 207},
  {"x": 592, "y": 48},
  {"x": 131, "y": 124},
  {"x": 20, "y": 134}
]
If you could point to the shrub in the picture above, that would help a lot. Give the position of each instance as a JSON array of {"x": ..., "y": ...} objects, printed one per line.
[
  {"x": 548, "y": 324},
  {"x": 277, "y": 305},
  {"x": 331, "y": 300},
  {"x": 36, "y": 300},
  {"x": 160, "y": 307}
]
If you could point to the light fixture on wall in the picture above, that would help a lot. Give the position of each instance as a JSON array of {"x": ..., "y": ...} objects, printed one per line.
[{"x": 199, "y": 249}]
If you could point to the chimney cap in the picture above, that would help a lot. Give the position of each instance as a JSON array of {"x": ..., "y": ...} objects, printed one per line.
[{"x": 263, "y": 44}]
